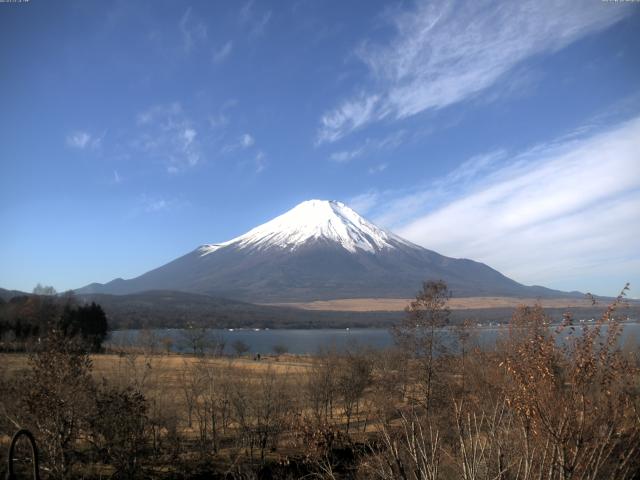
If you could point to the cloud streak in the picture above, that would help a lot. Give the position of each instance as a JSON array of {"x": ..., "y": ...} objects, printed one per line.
[
  {"x": 244, "y": 142},
  {"x": 368, "y": 147},
  {"x": 221, "y": 54},
  {"x": 156, "y": 205},
  {"x": 260, "y": 162},
  {"x": 445, "y": 53},
  {"x": 192, "y": 30},
  {"x": 550, "y": 215},
  {"x": 82, "y": 140},
  {"x": 256, "y": 22},
  {"x": 167, "y": 133}
]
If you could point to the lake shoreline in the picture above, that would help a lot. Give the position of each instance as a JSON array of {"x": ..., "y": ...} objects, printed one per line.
[{"x": 307, "y": 341}]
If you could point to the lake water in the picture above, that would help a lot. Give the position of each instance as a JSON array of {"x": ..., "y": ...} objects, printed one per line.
[{"x": 310, "y": 341}]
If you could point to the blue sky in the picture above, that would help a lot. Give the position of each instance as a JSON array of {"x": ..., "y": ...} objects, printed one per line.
[{"x": 507, "y": 132}]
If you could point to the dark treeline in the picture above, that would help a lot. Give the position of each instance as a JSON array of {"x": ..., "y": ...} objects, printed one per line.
[
  {"x": 171, "y": 309},
  {"x": 27, "y": 319},
  {"x": 165, "y": 309},
  {"x": 529, "y": 409},
  {"x": 124, "y": 315}
]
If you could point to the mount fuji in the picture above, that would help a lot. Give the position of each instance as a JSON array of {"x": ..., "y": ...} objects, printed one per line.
[{"x": 319, "y": 250}]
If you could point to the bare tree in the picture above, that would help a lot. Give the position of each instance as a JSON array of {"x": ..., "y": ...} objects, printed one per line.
[
  {"x": 417, "y": 333},
  {"x": 391, "y": 381},
  {"x": 240, "y": 347},
  {"x": 195, "y": 338},
  {"x": 280, "y": 349},
  {"x": 167, "y": 342},
  {"x": 262, "y": 407},
  {"x": 411, "y": 452},
  {"x": 148, "y": 341},
  {"x": 354, "y": 376},
  {"x": 58, "y": 396},
  {"x": 321, "y": 384},
  {"x": 119, "y": 428},
  {"x": 464, "y": 337},
  {"x": 211, "y": 403},
  {"x": 216, "y": 344},
  {"x": 48, "y": 290},
  {"x": 190, "y": 389},
  {"x": 572, "y": 401}
]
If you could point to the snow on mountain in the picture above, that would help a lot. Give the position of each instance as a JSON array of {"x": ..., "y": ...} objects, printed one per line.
[
  {"x": 315, "y": 220},
  {"x": 319, "y": 250}
]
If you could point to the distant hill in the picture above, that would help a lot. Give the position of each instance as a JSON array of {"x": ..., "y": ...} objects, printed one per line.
[
  {"x": 7, "y": 295},
  {"x": 319, "y": 250},
  {"x": 170, "y": 309}
]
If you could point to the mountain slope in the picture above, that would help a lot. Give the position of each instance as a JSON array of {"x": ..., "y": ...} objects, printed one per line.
[
  {"x": 6, "y": 295},
  {"x": 318, "y": 250}
]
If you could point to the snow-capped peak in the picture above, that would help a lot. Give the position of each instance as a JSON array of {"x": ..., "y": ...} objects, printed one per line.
[{"x": 315, "y": 220}]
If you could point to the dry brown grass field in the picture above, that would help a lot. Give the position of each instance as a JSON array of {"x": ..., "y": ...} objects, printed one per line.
[
  {"x": 167, "y": 381},
  {"x": 167, "y": 367},
  {"x": 399, "y": 304}
]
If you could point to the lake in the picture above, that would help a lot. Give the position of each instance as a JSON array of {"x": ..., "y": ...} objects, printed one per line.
[{"x": 310, "y": 341}]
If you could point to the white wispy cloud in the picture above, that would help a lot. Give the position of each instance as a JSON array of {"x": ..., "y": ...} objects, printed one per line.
[
  {"x": 192, "y": 30},
  {"x": 261, "y": 24},
  {"x": 561, "y": 213},
  {"x": 78, "y": 140},
  {"x": 364, "y": 202},
  {"x": 445, "y": 52},
  {"x": 218, "y": 120},
  {"x": 221, "y": 117},
  {"x": 243, "y": 142},
  {"x": 189, "y": 135},
  {"x": 161, "y": 112},
  {"x": 256, "y": 21},
  {"x": 368, "y": 147},
  {"x": 166, "y": 132},
  {"x": 83, "y": 140},
  {"x": 346, "y": 155},
  {"x": 260, "y": 162},
  {"x": 349, "y": 116},
  {"x": 117, "y": 179},
  {"x": 246, "y": 140},
  {"x": 154, "y": 204},
  {"x": 471, "y": 168},
  {"x": 221, "y": 54},
  {"x": 381, "y": 167},
  {"x": 256, "y": 163},
  {"x": 245, "y": 12}
]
